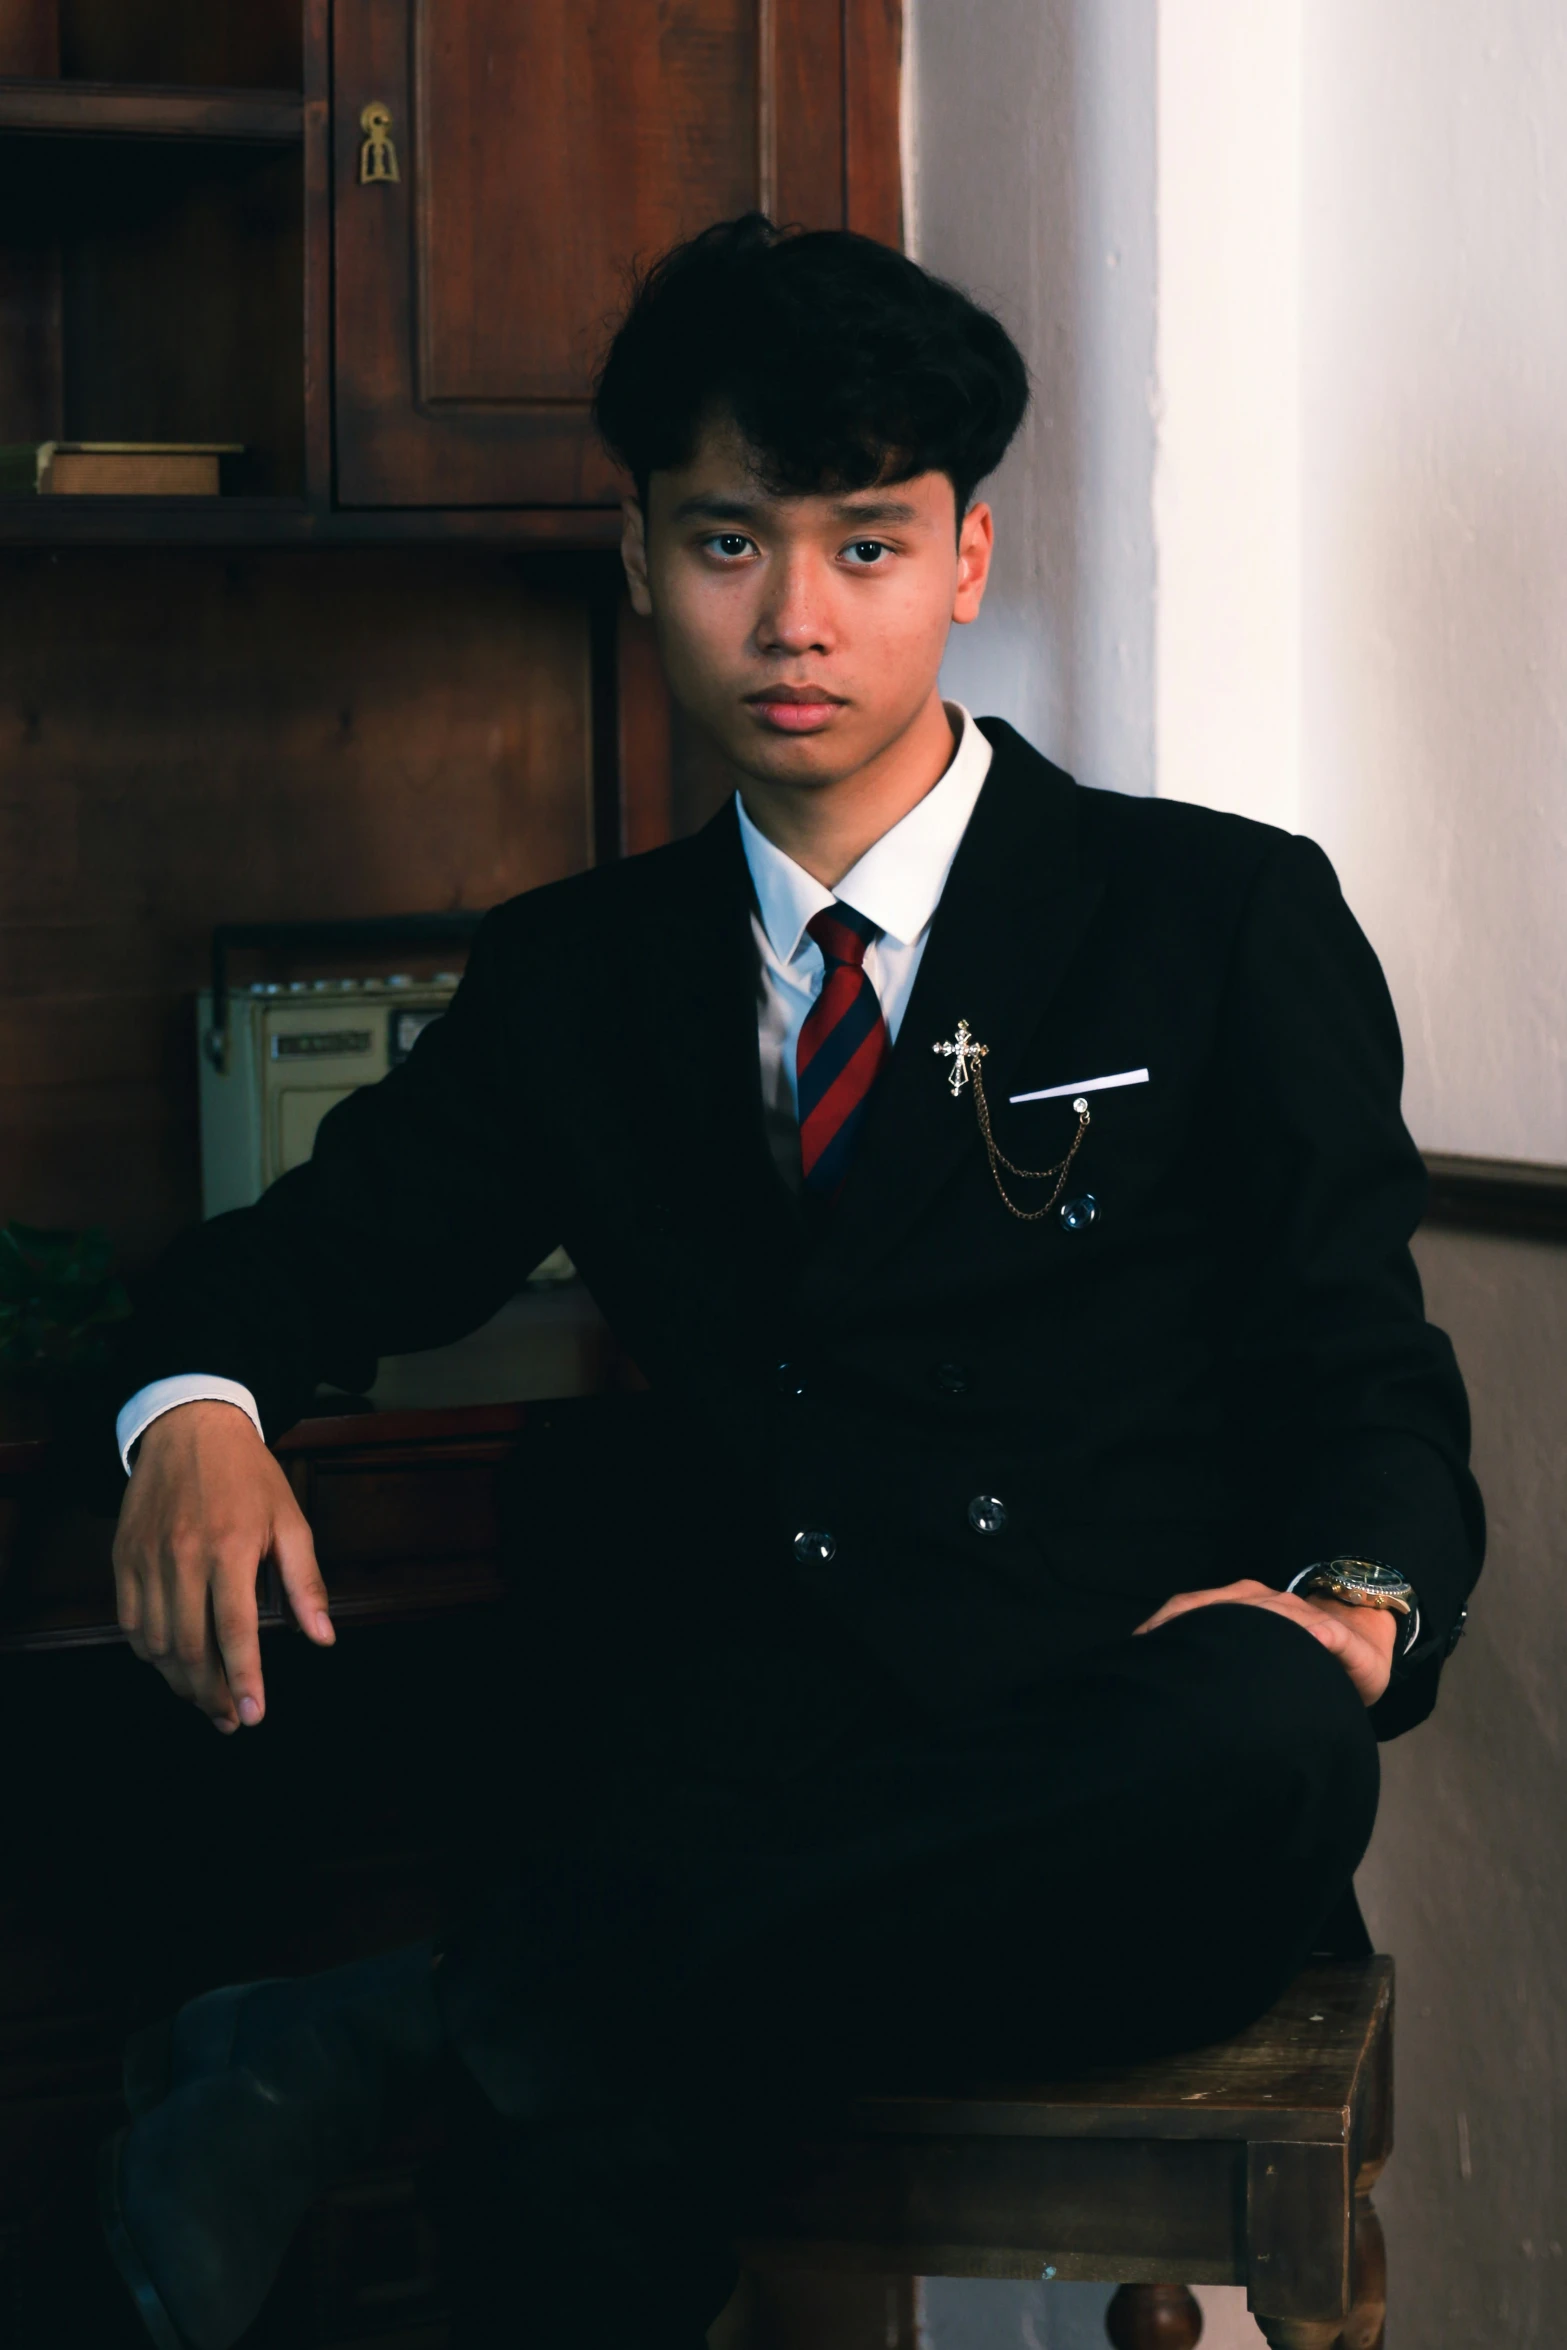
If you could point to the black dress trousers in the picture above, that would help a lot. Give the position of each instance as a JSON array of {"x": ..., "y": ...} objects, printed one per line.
[{"x": 1125, "y": 1857}]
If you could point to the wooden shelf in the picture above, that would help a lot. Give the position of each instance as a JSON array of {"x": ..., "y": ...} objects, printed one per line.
[
  {"x": 292, "y": 522},
  {"x": 266, "y": 118}
]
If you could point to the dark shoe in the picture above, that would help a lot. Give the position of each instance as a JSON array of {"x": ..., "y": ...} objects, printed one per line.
[
  {"x": 238, "y": 2022},
  {"x": 186, "y": 2047},
  {"x": 200, "y": 2197}
]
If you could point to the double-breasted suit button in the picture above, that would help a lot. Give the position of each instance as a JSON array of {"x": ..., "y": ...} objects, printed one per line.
[
  {"x": 815, "y": 1547},
  {"x": 987, "y": 1515},
  {"x": 790, "y": 1379},
  {"x": 953, "y": 1378}
]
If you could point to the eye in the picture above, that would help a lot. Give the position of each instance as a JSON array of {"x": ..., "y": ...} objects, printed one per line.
[
  {"x": 729, "y": 545},
  {"x": 864, "y": 553}
]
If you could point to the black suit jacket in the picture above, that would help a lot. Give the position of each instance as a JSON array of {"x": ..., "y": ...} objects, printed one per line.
[{"x": 1227, "y": 1372}]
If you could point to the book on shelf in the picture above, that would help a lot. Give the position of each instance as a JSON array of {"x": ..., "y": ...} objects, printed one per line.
[{"x": 113, "y": 469}]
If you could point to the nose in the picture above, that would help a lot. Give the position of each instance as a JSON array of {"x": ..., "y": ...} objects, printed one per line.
[{"x": 793, "y": 617}]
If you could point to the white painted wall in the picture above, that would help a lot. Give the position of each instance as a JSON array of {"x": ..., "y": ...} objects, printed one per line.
[
  {"x": 1288, "y": 535},
  {"x": 1226, "y": 493},
  {"x": 1434, "y": 328},
  {"x": 1467, "y": 1879},
  {"x": 1031, "y": 130},
  {"x": 1287, "y": 531}
]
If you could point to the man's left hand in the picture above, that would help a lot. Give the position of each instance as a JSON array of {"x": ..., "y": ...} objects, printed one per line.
[{"x": 1362, "y": 1638}]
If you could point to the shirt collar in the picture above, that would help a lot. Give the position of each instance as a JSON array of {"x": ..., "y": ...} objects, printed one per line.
[{"x": 898, "y": 882}]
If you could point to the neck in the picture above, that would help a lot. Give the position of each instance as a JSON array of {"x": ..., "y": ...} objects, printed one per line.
[{"x": 827, "y": 828}]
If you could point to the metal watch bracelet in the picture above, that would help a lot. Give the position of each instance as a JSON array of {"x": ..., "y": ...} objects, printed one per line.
[{"x": 1412, "y": 1626}]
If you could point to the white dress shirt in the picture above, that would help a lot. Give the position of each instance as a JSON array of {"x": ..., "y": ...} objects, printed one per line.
[{"x": 897, "y": 884}]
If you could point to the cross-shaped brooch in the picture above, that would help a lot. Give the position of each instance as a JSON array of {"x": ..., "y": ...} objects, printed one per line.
[
  {"x": 960, "y": 1053},
  {"x": 966, "y": 1055}
]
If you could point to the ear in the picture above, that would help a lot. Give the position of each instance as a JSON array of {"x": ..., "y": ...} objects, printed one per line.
[
  {"x": 976, "y": 545},
  {"x": 633, "y": 554}
]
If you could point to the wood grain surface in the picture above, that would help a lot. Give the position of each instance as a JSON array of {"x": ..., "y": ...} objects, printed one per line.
[
  {"x": 151, "y": 111},
  {"x": 193, "y": 738},
  {"x": 542, "y": 153}
]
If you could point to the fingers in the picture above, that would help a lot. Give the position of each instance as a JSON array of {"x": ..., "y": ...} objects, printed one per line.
[
  {"x": 130, "y": 1605},
  {"x": 163, "y": 1610},
  {"x": 1364, "y": 1650},
  {"x": 1362, "y": 1639},
  {"x": 205, "y": 1504},
  {"x": 1226, "y": 1594},
  {"x": 127, "y": 1591},
  {"x": 237, "y": 1636},
  {"x": 203, "y": 1687},
  {"x": 294, "y": 1552},
  {"x": 155, "y": 1610},
  {"x": 191, "y": 1662},
  {"x": 1332, "y": 1634},
  {"x": 1337, "y": 1629}
]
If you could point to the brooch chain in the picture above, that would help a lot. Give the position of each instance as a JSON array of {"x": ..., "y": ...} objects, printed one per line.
[{"x": 966, "y": 1055}]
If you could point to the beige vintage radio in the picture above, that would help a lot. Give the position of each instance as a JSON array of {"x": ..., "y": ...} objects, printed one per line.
[
  {"x": 283, "y": 1055},
  {"x": 277, "y": 1055}
]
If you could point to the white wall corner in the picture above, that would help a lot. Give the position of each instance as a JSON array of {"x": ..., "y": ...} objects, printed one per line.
[
  {"x": 1227, "y": 406},
  {"x": 1029, "y": 160},
  {"x": 908, "y": 129}
]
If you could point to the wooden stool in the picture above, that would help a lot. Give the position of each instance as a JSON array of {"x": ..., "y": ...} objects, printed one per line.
[{"x": 1250, "y": 2163}]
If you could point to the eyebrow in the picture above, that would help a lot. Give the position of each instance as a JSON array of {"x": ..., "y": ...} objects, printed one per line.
[
  {"x": 877, "y": 510},
  {"x": 707, "y": 506}
]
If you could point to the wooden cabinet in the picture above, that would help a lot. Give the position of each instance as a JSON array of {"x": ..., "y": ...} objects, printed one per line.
[
  {"x": 152, "y": 237},
  {"x": 538, "y": 150},
  {"x": 202, "y": 236},
  {"x": 388, "y": 668}
]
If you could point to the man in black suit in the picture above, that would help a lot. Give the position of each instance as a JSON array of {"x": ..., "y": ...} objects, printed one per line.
[{"x": 1049, "y": 1484}]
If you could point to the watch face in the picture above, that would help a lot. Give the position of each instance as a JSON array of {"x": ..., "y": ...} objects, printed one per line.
[{"x": 1371, "y": 1573}]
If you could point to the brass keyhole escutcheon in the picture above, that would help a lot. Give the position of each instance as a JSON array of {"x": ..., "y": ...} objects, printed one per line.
[{"x": 378, "y": 156}]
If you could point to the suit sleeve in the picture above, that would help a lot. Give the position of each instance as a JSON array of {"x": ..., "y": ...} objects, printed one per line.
[
  {"x": 1353, "y": 1401},
  {"x": 428, "y": 1199}
]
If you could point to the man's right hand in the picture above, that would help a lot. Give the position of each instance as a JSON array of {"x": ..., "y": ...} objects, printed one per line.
[{"x": 205, "y": 1505}]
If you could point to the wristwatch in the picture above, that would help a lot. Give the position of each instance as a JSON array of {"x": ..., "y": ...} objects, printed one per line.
[{"x": 1364, "y": 1583}]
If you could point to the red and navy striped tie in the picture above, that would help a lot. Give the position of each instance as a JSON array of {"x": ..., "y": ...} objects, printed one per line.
[{"x": 843, "y": 1046}]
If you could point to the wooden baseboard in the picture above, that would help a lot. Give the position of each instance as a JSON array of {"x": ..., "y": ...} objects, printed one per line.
[{"x": 1514, "y": 1196}]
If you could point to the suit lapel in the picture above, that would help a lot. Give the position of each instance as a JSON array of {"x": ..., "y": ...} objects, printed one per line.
[
  {"x": 1014, "y": 911},
  {"x": 699, "y": 1000}
]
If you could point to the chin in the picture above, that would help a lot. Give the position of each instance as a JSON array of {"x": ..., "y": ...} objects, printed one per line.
[
  {"x": 808, "y": 765},
  {"x": 799, "y": 758}
]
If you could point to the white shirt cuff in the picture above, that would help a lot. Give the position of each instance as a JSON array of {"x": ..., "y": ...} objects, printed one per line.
[{"x": 163, "y": 1395}]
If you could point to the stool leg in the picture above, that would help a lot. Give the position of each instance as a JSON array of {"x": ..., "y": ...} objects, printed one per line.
[
  {"x": 1154, "y": 2317},
  {"x": 1366, "y": 2326}
]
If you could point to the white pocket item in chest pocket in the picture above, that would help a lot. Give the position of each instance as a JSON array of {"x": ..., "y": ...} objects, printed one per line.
[{"x": 1051, "y": 1093}]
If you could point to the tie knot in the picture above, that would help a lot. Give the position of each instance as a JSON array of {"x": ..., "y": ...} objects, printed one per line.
[{"x": 842, "y": 934}]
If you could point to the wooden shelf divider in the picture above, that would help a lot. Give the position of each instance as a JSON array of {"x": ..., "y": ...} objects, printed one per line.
[
  {"x": 293, "y": 522},
  {"x": 266, "y": 118}
]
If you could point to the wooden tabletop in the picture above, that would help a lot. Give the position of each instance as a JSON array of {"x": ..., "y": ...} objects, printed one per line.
[
  {"x": 1239, "y": 2164},
  {"x": 1301, "y": 2074}
]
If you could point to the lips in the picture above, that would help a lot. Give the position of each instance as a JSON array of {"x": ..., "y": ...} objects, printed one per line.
[{"x": 794, "y": 709}]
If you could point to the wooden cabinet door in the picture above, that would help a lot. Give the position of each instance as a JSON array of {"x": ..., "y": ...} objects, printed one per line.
[{"x": 539, "y": 147}]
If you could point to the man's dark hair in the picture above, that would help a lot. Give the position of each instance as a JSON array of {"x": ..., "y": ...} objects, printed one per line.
[{"x": 842, "y": 363}]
